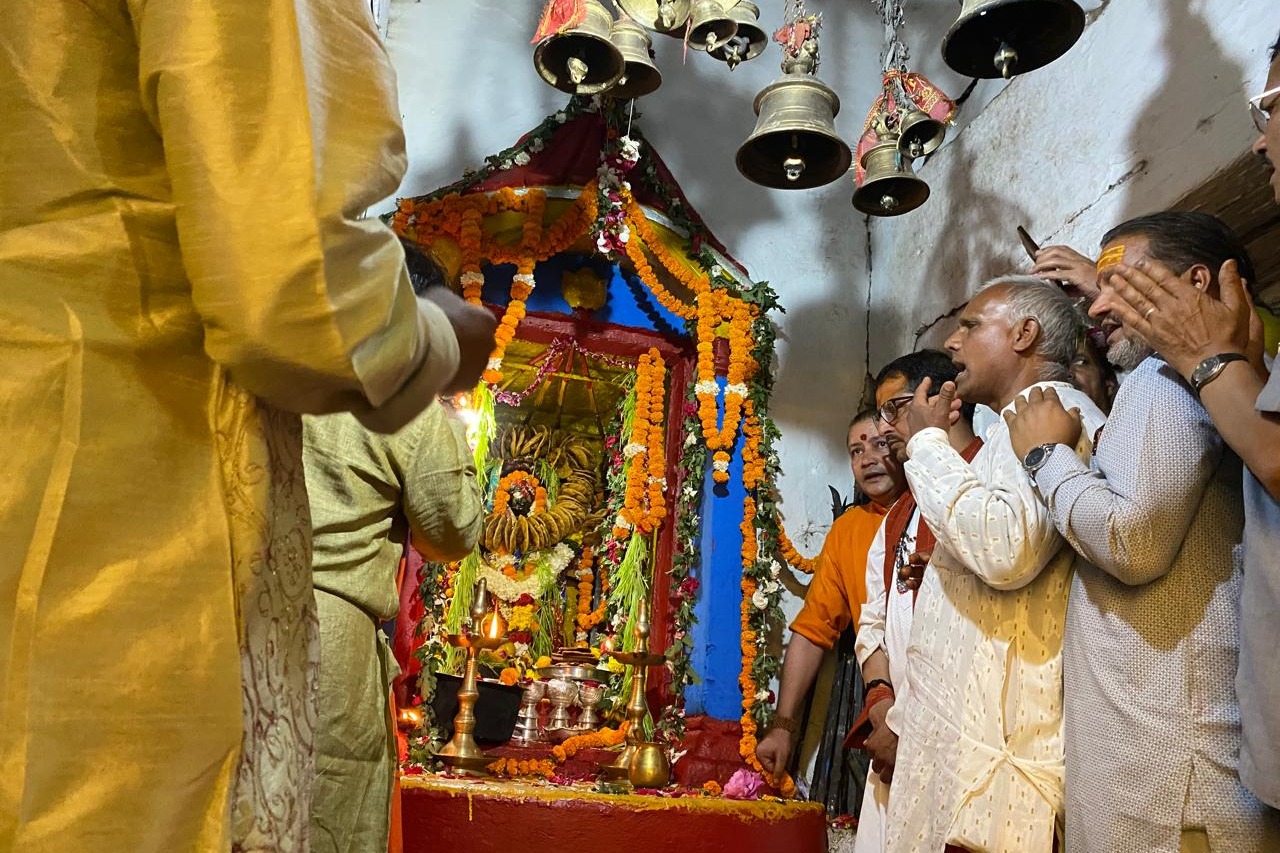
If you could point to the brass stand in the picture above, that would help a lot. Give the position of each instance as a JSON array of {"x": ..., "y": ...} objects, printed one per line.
[
  {"x": 639, "y": 661},
  {"x": 462, "y": 753}
]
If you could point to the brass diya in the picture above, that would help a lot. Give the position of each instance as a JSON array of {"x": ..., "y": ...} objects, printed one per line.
[
  {"x": 639, "y": 661},
  {"x": 462, "y": 753}
]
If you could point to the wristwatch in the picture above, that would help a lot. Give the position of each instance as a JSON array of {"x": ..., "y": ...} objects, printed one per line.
[
  {"x": 1036, "y": 457},
  {"x": 1209, "y": 369}
]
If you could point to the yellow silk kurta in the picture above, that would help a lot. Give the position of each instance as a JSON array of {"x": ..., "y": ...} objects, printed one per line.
[{"x": 181, "y": 267}]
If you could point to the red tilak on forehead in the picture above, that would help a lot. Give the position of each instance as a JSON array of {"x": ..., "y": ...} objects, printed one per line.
[{"x": 863, "y": 437}]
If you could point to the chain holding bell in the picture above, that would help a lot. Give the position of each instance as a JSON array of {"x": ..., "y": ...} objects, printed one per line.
[
  {"x": 710, "y": 27},
  {"x": 795, "y": 145},
  {"x": 581, "y": 60},
  {"x": 662, "y": 16},
  {"x": 1001, "y": 38},
  {"x": 749, "y": 41},
  {"x": 921, "y": 134},
  {"x": 641, "y": 76},
  {"x": 889, "y": 186}
]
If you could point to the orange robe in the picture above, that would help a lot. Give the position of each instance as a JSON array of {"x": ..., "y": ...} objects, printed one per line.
[{"x": 839, "y": 587}]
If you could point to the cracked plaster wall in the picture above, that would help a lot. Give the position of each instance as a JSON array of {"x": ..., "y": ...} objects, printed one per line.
[{"x": 1147, "y": 105}]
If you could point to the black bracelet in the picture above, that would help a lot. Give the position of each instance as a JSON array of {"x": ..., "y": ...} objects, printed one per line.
[{"x": 866, "y": 688}]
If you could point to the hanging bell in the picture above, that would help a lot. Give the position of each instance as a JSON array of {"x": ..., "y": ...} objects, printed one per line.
[
  {"x": 749, "y": 41},
  {"x": 889, "y": 186},
  {"x": 641, "y": 76},
  {"x": 794, "y": 145},
  {"x": 1001, "y": 38},
  {"x": 921, "y": 134},
  {"x": 662, "y": 16},
  {"x": 710, "y": 27},
  {"x": 581, "y": 60}
]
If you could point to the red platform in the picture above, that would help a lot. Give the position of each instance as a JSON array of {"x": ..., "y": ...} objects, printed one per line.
[{"x": 501, "y": 816}]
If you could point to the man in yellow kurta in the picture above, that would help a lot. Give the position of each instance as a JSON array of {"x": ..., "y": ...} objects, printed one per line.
[
  {"x": 839, "y": 587},
  {"x": 182, "y": 265}
]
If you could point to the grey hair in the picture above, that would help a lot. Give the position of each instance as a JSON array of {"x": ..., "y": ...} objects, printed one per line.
[{"x": 1053, "y": 311}]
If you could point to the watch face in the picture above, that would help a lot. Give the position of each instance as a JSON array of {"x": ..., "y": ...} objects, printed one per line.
[
  {"x": 1035, "y": 457},
  {"x": 1205, "y": 368}
]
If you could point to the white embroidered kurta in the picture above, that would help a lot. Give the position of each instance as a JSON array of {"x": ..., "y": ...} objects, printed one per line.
[
  {"x": 1152, "y": 721},
  {"x": 885, "y": 623},
  {"x": 980, "y": 756}
]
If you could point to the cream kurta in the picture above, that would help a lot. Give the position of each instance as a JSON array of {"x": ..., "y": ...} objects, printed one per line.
[
  {"x": 155, "y": 599},
  {"x": 980, "y": 756}
]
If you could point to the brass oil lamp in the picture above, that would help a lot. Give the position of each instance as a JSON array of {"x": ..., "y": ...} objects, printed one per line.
[
  {"x": 640, "y": 660},
  {"x": 485, "y": 631}
]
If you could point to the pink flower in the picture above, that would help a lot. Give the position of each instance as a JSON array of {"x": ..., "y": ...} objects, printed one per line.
[{"x": 744, "y": 784}]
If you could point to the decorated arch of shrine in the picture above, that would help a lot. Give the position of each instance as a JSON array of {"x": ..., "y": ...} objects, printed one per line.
[{"x": 623, "y": 439}]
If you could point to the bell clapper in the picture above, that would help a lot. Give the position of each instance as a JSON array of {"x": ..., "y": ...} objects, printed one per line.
[
  {"x": 733, "y": 53},
  {"x": 1006, "y": 60},
  {"x": 888, "y": 202},
  {"x": 577, "y": 68},
  {"x": 666, "y": 14}
]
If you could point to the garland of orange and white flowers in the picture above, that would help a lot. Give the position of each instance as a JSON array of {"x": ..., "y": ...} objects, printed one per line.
[
  {"x": 644, "y": 503},
  {"x": 600, "y": 739},
  {"x": 510, "y": 767},
  {"x": 717, "y": 308},
  {"x": 502, "y": 495},
  {"x": 588, "y": 618},
  {"x": 753, "y": 597}
]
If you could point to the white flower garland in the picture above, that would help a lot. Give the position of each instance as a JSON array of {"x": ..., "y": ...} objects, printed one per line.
[
  {"x": 555, "y": 560},
  {"x": 736, "y": 388},
  {"x": 706, "y": 386},
  {"x": 633, "y": 449}
]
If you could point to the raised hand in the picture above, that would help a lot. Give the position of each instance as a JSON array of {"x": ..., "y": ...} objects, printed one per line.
[
  {"x": 1040, "y": 418},
  {"x": 940, "y": 410},
  {"x": 1065, "y": 264},
  {"x": 1183, "y": 323}
]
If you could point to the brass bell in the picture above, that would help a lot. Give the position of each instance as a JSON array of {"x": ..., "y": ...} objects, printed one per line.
[
  {"x": 889, "y": 186},
  {"x": 1001, "y": 38},
  {"x": 711, "y": 27},
  {"x": 795, "y": 145},
  {"x": 663, "y": 16},
  {"x": 641, "y": 76},
  {"x": 921, "y": 133},
  {"x": 749, "y": 41},
  {"x": 581, "y": 60}
]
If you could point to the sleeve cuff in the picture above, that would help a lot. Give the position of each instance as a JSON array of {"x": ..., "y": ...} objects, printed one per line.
[
  {"x": 436, "y": 367},
  {"x": 1061, "y": 465}
]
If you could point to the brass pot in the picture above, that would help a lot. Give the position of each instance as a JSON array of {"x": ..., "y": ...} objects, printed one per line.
[{"x": 649, "y": 766}]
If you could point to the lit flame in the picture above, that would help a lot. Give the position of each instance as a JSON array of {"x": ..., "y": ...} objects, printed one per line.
[{"x": 493, "y": 625}]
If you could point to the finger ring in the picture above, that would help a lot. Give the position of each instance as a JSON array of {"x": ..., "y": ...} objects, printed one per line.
[{"x": 1150, "y": 311}]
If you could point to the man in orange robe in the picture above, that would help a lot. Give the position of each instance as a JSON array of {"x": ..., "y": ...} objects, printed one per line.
[{"x": 839, "y": 587}]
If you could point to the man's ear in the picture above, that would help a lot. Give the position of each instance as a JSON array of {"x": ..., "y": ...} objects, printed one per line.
[
  {"x": 1025, "y": 335},
  {"x": 1202, "y": 278}
]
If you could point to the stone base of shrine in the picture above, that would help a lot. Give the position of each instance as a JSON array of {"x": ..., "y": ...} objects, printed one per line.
[{"x": 501, "y": 816}]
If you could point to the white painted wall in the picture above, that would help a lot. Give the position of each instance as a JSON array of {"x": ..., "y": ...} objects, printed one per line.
[
  {"x": 468, "y": 89},
  {"x": 1147, "y": 105}
]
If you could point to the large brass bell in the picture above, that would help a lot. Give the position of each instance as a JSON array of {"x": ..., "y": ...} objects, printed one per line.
[
  {"x": 1001, "y": 38},
  {"x": 921, "y": 133},
  {"x": 795, "y": 145},
  {"x": 581, "y": 60},
  {"x": 710, "y": 27},
  {"x": 749, "y": 41},
  {"x": 662, "y": 16},
  {"x": 641, "y": 76},
  {"x": 889, "y": 186}
]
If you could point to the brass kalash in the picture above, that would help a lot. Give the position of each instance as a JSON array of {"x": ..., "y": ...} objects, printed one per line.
[
  {"x": 795, "y": 145},
  {"x": 643, "y": 763},
  {"x": 461, "y": 753},
  {"x": 1001, "y": 38}
]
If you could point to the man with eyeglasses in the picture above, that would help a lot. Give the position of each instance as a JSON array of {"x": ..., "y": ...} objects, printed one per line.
[
  {"x": 1216, "y": 344},
  {"x": 980, "y": 761},
  {"x": 895, "y": 565},
  {"x": 838, "y": 590}
]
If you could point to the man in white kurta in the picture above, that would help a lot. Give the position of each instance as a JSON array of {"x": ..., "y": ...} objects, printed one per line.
[{"x": 980, "y": 761}]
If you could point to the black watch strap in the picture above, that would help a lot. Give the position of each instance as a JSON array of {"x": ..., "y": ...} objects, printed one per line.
[{"x": 866, "y": 688}]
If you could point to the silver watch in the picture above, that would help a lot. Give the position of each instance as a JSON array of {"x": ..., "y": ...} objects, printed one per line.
[
  {"x": 1036, "y": 457},
  {"x": 1212, "y": 367}
]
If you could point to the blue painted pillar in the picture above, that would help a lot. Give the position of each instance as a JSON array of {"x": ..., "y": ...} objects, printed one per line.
[{"x": 717, "y": 656}]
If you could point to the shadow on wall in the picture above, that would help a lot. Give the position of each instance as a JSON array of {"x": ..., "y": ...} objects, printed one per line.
[
  {"x": 1186, "y": 34},
  {"x": 978, "y": 239}
]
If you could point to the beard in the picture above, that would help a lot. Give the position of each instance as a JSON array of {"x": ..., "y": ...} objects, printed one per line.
[{"x": 1128, "y": 352}]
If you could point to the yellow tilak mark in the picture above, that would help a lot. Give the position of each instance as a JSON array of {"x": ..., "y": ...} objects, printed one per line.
[{"x": 1111, "y": 257}]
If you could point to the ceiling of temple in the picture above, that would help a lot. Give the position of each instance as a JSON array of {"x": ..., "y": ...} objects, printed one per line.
[{"x": 577, "y": 392}]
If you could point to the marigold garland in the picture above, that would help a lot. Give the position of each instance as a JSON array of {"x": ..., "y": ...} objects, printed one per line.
[
  {"x": 601, "y": 739},
  {"x": 588, "y": 618},
  {"x": 515, "y": 767},
  {"x": 717, "y": 308},
  {"x": 644, "y": 501}
]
